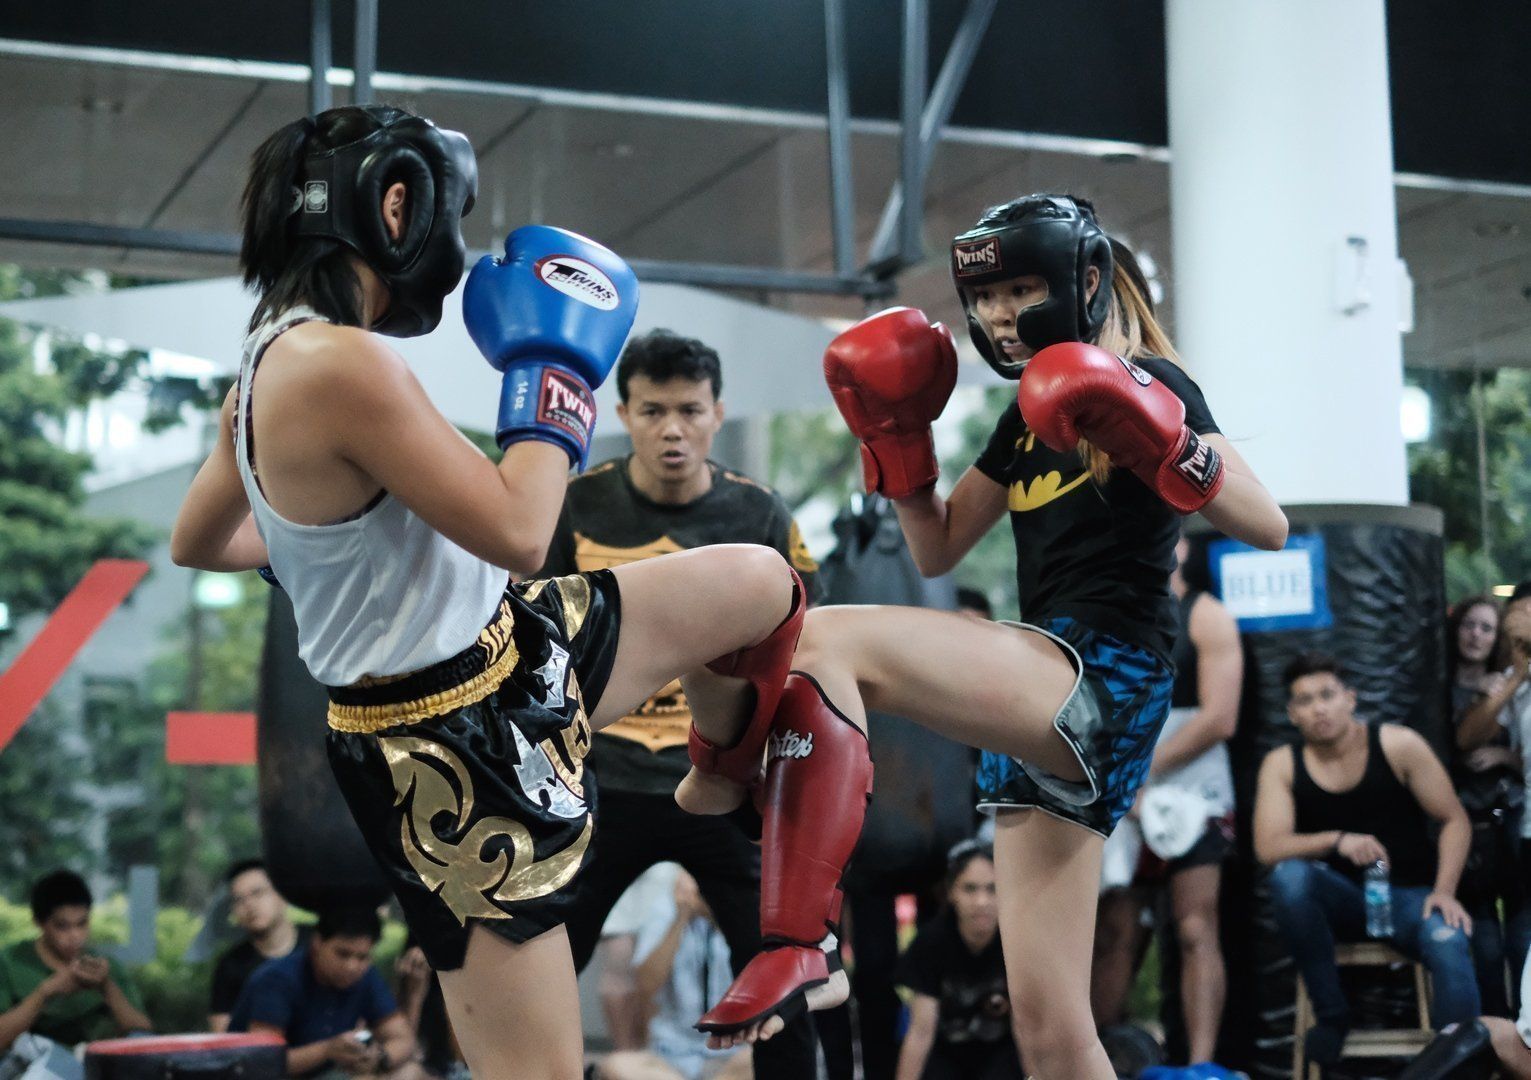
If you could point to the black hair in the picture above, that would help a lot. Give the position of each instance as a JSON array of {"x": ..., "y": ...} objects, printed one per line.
[
  {"x": 975, "y": 599},
  {"x": 662, "y": 355},
  {"x": 61, "y": 888},
  {"x": 962, "y": 855},
  {"x": 1311, "y": 663},
  {"x": 1520, "y": 592},
  {"x": 349, "y": 922},
  {"x": 244, "y": 866},
  {"x": 285, "y": 269}
]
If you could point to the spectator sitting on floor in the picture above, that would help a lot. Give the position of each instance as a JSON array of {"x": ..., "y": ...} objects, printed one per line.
[
  {"x": 51, "y": 987},
  {"x": 331, "y": 1005},
  {"x": 1346, "y": 796},
  {"x": 681, "y": 964},
  {"x": 960, "y": 1019},
  {"x": 259, "y": 910}
]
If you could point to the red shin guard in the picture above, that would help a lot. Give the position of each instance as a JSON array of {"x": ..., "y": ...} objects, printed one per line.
[
  {"x": 817, "y": 786},
  {"x": 765, "y": 665}
]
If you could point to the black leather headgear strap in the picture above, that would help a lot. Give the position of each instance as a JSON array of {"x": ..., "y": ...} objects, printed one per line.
[
  {"x": 340, "y": 194},
  {"x": 1052, "y": 237}
]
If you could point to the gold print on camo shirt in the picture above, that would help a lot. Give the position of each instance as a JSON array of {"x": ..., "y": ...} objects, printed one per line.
[
  {"x": 590, "y": 555},
  {"x": 457, "y": 871},
  {"x": 1043, "y": 488},
  {"x": 797, "y": 548},
  {"x": 663, "y": 720}
]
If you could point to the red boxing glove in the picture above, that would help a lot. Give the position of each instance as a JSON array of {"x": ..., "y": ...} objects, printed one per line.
[
  {"x": 1072, "y": 390},
  {"x": 891, "y": 374}
]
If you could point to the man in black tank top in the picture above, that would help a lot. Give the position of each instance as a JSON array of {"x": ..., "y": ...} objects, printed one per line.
[{"x": 1342, "y": 798}]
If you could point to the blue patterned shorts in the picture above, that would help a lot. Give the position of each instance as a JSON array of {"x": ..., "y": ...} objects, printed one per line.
[{"x": 1111, "y": 720}]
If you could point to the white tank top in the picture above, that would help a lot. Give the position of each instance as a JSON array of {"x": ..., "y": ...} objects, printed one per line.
[{"x": 380, "y": 593}]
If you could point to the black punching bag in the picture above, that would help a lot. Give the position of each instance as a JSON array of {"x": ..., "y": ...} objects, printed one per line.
[
  {"x": 1365, "y": 584},
  {"x": 313, "y": 850},
  {"x": 923, "y": 789}
]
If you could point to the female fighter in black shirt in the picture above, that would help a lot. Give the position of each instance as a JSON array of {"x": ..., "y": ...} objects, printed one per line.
[{"x": 1108, "y": 444}]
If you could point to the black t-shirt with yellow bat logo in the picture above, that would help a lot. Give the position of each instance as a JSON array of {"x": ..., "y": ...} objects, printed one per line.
[
  {"x": 607, "y": 522},
  {"x": 1098, "y": 553}
]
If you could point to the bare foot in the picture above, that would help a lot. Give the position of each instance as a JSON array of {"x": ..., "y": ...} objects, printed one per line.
[
  {"x": 703, "y": 793},
  {"x": 834, "y": 992}
]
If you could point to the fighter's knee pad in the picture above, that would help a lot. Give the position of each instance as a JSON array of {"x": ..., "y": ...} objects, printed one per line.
[
  {"x": 818, "y": 782},
  {"x": 1460, "y": 1052},
  {"x": 765, "y": 665}
]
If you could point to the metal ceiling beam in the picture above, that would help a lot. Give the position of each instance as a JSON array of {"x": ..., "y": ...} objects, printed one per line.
[
  {"x": 937, "y": 113},
  {"x": 842, "y": 210},
  {"x": 701, "y": 275},
  {"x": 319, "y": 56},
  {"x": 113, "y": 236},
  {"x": 405, "y": 84}
]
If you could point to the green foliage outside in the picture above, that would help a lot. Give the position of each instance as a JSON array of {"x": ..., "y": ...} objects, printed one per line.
[
  {"x": 1488, "y": 540},
  {"x": 46, "y": 540},
  {"x": 814, "y": 457}
]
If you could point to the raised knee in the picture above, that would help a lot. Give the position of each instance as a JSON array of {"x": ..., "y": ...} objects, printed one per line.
[
  {"x": 1443, "y": 941},
  {"x": 1196, "y": 932},
  {"x": 1290, "y": 880}
]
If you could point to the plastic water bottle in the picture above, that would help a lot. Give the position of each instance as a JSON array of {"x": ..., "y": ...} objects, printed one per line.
[{"x": 1379, "y": 901}]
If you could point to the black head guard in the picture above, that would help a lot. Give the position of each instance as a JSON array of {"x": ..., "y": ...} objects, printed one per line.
[
  {"x": 340, "y": 194},
  {"x": 1054, "y": 237}
]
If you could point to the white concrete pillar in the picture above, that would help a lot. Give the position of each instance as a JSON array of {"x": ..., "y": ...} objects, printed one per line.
[{"x": 1286, "y": 285}]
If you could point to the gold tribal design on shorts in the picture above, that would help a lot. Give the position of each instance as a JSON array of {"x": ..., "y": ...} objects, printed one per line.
[{"x": 457, "y": 871}]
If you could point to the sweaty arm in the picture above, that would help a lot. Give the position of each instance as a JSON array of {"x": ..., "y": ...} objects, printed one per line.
[
  {"x": 388, "y": 428},
  {"x": 941, "y": 531},
  {"x": 1219, "y": 681},
  {"x": 1275, "y": 825},
  {"x": 1426, "y": 778},
  {"x": 1243, "y": 508},
  {"x": 214, "y": 529},
  {"x": 924, "y": 1011}
]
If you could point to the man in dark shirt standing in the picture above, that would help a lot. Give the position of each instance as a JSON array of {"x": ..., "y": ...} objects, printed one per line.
[
  {"x": 259, "y": 911},
  {"x": 1349, "y": 795},
  {"x": 666, "y": 497}
]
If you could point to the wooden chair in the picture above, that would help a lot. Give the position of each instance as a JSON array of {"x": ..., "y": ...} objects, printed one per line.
[{"x": 1389, "y": 1042}]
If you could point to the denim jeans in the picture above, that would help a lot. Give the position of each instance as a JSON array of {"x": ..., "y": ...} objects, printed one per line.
[{"x": 1315, "y": 906}]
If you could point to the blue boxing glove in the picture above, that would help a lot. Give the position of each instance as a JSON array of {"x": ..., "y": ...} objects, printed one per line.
[{"x": 552, "y": 315}]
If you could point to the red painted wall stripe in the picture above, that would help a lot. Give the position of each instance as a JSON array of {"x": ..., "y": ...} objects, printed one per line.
[
  {"x": 27, "y": 681},
  {"x": 210, "y": 738}
]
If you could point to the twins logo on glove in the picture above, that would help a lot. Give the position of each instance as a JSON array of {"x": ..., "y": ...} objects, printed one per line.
[{"x": 567, "y": 403}]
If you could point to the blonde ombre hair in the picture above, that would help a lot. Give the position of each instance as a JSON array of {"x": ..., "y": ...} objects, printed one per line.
[{"x": 1131, "y": 330}]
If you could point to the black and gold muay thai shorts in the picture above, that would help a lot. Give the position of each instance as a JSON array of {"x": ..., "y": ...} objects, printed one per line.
[{"x": 467, "y": 777}]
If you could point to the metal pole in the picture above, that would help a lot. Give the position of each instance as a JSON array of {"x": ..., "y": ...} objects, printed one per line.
[
  {"x": 365, "y": 61},
  {"x": 319, "y": 58},
  {"x": 841, "y": 204},
  {"x": 938, "y": 112},
  {"x": 916, "y": 42}
]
